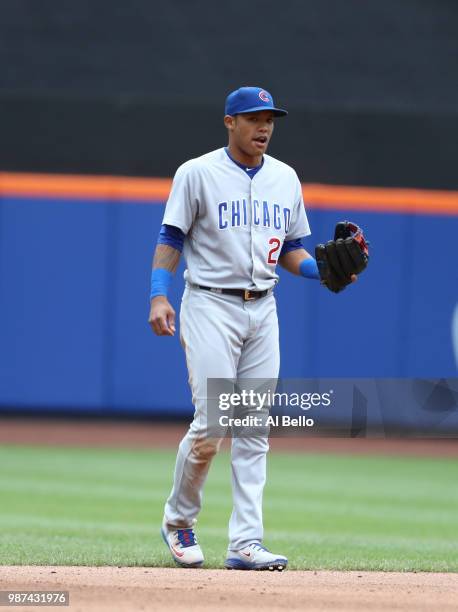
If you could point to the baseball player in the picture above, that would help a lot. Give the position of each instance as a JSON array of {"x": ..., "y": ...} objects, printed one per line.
[{"x": 234, "y": 213}]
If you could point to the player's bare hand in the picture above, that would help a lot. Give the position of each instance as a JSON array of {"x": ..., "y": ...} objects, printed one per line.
[
  {"x": 162, "y": 316},
  {"x": 354, "y": 278}
]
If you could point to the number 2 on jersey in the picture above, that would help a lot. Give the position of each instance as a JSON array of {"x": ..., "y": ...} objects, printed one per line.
[{"x": 276, "y": 246}]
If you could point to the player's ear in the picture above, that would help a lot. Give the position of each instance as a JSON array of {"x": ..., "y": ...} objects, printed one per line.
[{"x": 229, "y": 122}]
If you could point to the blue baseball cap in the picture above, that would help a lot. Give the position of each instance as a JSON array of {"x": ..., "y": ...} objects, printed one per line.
[{"x": 250, "y": 100}]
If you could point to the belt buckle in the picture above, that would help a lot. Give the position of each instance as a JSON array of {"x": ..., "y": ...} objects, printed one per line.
[{"x": 247, "y": 297}]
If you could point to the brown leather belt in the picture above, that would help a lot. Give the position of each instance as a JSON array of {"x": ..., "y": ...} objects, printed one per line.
[{"x": 246, "y": 294}]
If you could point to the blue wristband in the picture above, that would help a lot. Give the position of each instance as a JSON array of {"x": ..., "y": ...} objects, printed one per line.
[
  {"x": 309, "y": 269},
  {"x": 161, "y": 280}
]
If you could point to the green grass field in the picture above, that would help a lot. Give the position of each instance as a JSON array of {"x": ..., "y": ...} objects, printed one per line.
[{"x": 62, "y": 506}]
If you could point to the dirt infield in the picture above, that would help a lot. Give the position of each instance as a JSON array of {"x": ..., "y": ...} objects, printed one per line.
[
  {"x": 78, "y": 432},
  {"x": 141, "y": 588}
]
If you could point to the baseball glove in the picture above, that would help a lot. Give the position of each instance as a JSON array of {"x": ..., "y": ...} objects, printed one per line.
[{"x": 338, "y": 259}]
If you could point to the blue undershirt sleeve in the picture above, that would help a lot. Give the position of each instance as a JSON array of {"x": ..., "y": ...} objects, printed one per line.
[
  {"x": 291, "y": 245},
  {"x": 171, "y": 236}
]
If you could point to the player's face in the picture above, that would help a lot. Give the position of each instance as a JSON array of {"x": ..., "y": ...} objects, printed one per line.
[{"x": 250, "y": 133}]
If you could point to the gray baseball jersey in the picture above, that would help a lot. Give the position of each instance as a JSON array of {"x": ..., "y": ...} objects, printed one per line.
[{"x": 235, "y": 226}]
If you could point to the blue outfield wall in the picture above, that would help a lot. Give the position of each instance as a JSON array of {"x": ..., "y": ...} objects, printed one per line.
[{"x": 74, "y": 284}]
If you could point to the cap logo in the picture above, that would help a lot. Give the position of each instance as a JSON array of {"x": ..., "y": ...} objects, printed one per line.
[{"x": 264, "y": 97}]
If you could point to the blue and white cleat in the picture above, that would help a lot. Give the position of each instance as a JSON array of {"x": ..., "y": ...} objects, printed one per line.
[
  {"x": 255, "y": 557},
  {"x": 183, "y": 546}
]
